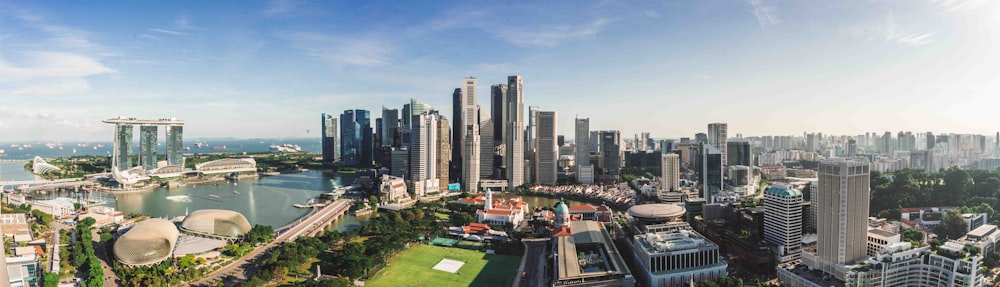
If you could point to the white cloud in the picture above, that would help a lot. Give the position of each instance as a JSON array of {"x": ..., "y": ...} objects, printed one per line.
[
  {"x": 341, "y": 50},
  {"x": 550, "y": 36},
  {"x": 165, "y": 31},
  {"x": 278, "y": 7},
  {"x": 764, "y": 13},
  {"x": 893, "y": 34}
]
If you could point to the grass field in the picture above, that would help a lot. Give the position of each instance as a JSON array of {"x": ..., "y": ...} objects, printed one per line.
[{"x": 414, "y": 267}]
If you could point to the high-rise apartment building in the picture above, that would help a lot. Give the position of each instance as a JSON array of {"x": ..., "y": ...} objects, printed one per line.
[
  {"x": 175, "y": 145},
  {"x": 783, "y": 222},
  {"x": 123, "y": 134},
  {"x": 329, "y": 138},
  {"x": 584, "y": 170},
  {"x": 546, "y": 150},
  {"x": 356, "y": 148},
  {"x": 514, "y": 135},
  {"x": 147, "y": 147},
  {"x": 717, "y": 137},
  {"x": 842, "y": 205},
  {"x": 671, "y": 168}
]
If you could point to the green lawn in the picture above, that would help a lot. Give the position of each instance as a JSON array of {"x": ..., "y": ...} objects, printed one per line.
[{"x": 414, "y": 267}]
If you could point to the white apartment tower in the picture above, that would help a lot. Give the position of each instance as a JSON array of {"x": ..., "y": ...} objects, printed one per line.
[
  {"x": 842, "y": 202},
  {"x": 783, "y": 222},
  {"x": 514, "y": 137},
  {"x": 546, "y": 151},
  {"x": 584, "y": 170},
  {"x": 717, "y": 136},
  {"x": 670, "y": 167}
]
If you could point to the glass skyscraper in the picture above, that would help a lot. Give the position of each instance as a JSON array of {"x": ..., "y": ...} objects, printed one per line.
[
  {"x": 329, "y": 139},
  {"x": 175, "y": 145},
  {"x": 123, "y": 135},
  {"x": 356, "y": 138},
  {"x": 147, "y": 147}
]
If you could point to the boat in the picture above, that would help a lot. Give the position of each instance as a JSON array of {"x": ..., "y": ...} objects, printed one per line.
[
  {"x": 236, "y": 192},
  {"x": 284, "y": 148},
  {"x": 213, "y": 195},
  {"x": 219, "y": 148}
]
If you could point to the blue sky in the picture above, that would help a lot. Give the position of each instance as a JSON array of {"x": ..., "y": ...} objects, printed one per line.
[{"x": 268, "y": 69}]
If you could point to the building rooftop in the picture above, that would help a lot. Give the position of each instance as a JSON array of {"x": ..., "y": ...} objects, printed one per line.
[
  {"x": 783, "y": 191},
  {"x": 982, "y": 231},
  {"x": 881, "y": 233},
  {"x": 13, "y": 218},
  {"x": 656, "y": 211},
  {"x": 588, "y": 253},
  {"x": 675, "y": 238}
]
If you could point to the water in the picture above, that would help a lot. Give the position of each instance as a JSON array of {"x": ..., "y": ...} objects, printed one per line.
[
  {"x": 16, "y": 150},
  {"x": 14, "y": 171},
  {"x": 267, "y": 200}
]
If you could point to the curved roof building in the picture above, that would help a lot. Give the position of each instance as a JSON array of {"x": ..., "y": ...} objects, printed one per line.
[
  {"x": 148, "y": 242},
  {"x": 39, "y": 166},
  {"x": 656, "y": 213},
  {"x": 216, "y": 223}
]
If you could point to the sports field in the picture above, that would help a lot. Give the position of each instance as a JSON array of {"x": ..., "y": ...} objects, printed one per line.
[{"x": 415, "y": 267}]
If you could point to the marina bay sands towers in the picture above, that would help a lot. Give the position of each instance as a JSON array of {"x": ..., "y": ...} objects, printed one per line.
[{"x": 148, "y": 137}]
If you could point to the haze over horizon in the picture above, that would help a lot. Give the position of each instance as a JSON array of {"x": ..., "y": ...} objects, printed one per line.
[{"x": 269, "y": 69}]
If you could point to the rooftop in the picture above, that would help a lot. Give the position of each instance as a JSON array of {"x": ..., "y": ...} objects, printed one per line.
[
  {"x": 656, "y": 211},
  {"x": 882, "y": 233},
  {"x": 600, "y": 258},
  {"x": 982, "y": 231},
  {"x": 680, "y": 237},
  {"x": 783, "y": 192}
]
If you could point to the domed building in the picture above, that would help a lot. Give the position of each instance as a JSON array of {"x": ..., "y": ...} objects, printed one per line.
[
  {"x": 216, "y": 223},
  {"x": 148, "y": 242}
]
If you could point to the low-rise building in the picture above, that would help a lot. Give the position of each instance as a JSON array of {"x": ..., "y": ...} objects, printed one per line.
[
  {"x": 587, "y": 257},
  {"x": 879, "y": 239},
  {"x": 393, "y": 189},
  {"x": 673, "y": 254},
  {"x": 500, "y": 212}
]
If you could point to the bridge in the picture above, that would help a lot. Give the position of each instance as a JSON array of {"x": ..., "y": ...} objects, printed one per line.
[
  {"x": 14, "y": 160},
  {"x": 43, "y": 182},
  {"x": 315, "y": 222}
]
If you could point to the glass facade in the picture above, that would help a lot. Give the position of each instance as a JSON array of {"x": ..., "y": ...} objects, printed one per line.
[
  {"x": 175, "y": 144},
  {"x": 356, "y": 144},
  {"x": 124, "y": 146},
  {"x": 329, "y": 131},
  {"x": 147, "y": 147}
]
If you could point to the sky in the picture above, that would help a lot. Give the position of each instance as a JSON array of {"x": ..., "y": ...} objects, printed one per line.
[{"x": 268, "y": 69}]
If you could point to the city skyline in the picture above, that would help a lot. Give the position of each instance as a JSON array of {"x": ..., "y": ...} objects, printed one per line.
[{"x": 839, "y": 68}]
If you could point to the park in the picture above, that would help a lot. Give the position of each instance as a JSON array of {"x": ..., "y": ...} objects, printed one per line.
[{"x": 415, "y": 267}]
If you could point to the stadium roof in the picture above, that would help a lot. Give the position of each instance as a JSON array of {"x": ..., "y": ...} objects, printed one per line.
[{"x": 148, "y": 242}]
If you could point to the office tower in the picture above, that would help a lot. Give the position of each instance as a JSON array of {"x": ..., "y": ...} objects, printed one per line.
[
  {"x": 560, "y": 140},
  {"x": 711, "y": 171},
  {"x": 739, "y": 153},
  {"x": 400, "y": 163},
  {"x": 595, "y": 142},
  {"x": 717, "y": 137},
  {"x": 175, "y": 144},
  {"x": 852, "y": 147},
  {"x": 457, "y": 110},
  {"x": 423, "y": 154},
  {"x": 887, "y": 144},
  {"x": 643, "y": 142},
  {"x": 390, "y": 126},
  {"x": 546, "y": 150},
  {"x": 498, "y": 114},
  {"x": 147, "y": 147},
  {"x": 611, "y": 155},
  {"x": 685, "y": 141},
  {"x": 329, "y": 140},
  {"x": 842, "y": 203},
  {"x": 514, "y": 136},
  {"x": 443, "y": 151},
  {"x": 123, "y": 147},
  {"x": 470, "y": 168},
  {"x": 417, "y": 107},
  {"x": 406, "y": 116},
  {"x": 356, "y": 138},
  {"x": 487, "y": 149},
  {"x": 700, "y": 138},
  {"x": 666, "y": 146},
  {"x": 930, "y": 140},
  {"x": 783, "y": 222},
  {"x": 584, "y": 170},
  {"x": 671, "y": 169},
  {"x": 530, "y": 149}
]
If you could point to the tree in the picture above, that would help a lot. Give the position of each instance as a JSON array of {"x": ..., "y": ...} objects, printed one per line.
[
  {"x": 460, "y": 219},
  {"x": 51, "y": 279},
  {"x": 952, "y": 225},
  {"x": 913, "y": 234}
]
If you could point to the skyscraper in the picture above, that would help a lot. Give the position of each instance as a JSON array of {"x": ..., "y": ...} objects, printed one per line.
[
  {"x": 711, "y": 163},
  {"x": 390, "y": 126},
  {"x": 443, "y": 146},
  {"x": 459, "y": 127},
  {"x": 841, "y": 203},
  {"x": 175, "y": 144},
  {"x": 700, "y": 138},
  {"x": 611, "y": 154},
  {"x": 423, "y": 154},
  {"x": 514, "y": 136},
  {"x": 584, "y": 170},
  {"x": 487, "y": 149},
  {"x": 530, "y": 149},
  {"x": 356, "y": 146},
  {"x": 671, "y": 178},
  {"x": 547, "y": 152},
  {"x": 738, "y": 153},
  {"x": 123, "y": 133},
  {"x": 468, "y": 104},
  {"x": 470, "y": 168},
  {"x": 852, "y": 147},
  {"x": 783, "y": 222},
  {"x": 717, "y": 137},
  {"x": 147, "y": 147},
  {"x": 329, "y": 140},
  {"x": 498, "y": 112}
]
